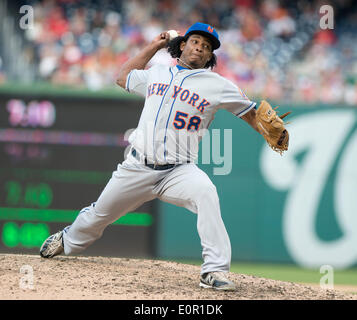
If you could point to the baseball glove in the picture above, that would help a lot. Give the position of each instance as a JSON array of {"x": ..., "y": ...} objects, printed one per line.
[{"x": 271, "y": 126}]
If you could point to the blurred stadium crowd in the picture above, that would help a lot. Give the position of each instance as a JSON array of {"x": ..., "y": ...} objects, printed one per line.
[{"x": 272, "y": 49}]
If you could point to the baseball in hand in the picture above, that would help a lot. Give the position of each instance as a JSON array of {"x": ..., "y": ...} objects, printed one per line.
[{"x": 173, "y": 34}]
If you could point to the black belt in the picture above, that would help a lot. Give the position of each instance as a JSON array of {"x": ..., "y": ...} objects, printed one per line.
[{"x": 154, "y": 166}]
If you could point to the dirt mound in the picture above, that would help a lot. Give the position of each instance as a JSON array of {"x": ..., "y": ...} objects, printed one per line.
[{"x": 31, "y": 277}]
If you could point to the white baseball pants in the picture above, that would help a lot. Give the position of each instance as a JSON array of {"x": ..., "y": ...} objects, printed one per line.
[{"x": 132, "y": 184}]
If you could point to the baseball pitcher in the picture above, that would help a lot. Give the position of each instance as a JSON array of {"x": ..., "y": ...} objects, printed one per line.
[{"x": 180, "y": 103}]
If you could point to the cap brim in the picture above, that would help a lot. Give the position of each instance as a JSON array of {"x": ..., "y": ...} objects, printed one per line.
[{"x": 215, "y": 43}]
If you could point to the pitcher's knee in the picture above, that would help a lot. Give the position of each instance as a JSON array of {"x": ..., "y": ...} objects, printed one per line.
[{"x": 207, "y": 190}]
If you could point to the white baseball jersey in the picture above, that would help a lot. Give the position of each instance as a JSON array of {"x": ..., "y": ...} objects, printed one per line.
[{"x": 179, "y": 105}]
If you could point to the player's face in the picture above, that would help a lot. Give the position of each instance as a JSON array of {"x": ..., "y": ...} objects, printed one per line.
[{"x": 197, "y": 51}]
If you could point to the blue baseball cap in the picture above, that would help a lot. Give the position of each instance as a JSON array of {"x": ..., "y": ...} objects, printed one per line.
[{"x": 207, "y": 31}]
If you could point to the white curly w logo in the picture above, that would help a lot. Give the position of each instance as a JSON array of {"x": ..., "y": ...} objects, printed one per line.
[{"x": 322, "y": 136}]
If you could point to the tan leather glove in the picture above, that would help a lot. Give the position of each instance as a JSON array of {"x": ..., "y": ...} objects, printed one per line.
[{"x": 272, "y": 128}]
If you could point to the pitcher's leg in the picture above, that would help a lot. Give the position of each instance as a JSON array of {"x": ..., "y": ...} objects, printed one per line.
[
  {"x": 89, "y": 227},
  {"x": 188, "y": 186},
  {"x": 216, "y": 246},
  {"x": 123, "y": 193}
]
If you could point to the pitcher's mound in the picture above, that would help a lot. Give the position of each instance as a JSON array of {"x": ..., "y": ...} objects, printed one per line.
[{"x": 31, "y": 277}]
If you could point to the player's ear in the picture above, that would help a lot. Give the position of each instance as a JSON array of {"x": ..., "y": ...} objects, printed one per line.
[{"x": 182, "y": 45}]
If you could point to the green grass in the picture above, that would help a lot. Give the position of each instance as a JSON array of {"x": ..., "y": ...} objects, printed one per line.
[
  {"x": 293, "y": 273},
  {"x": 285, "y": 272}
]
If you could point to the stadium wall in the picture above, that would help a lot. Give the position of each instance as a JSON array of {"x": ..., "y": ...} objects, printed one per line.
[{"x": 297, "y": 208}]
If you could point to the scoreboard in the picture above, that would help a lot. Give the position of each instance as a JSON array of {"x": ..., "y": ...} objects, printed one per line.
[{"x": 56, "y": 156}]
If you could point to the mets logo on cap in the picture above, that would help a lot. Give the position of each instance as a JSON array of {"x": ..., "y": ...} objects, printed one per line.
[{"x": 206, "y": 30}]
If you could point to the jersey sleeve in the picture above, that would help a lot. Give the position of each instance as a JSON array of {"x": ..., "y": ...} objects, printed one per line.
[
  {"x": 234, "y": 100},
  {"x": 136, "y": 82}
]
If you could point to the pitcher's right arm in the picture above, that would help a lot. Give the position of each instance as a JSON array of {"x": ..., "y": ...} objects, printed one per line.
[{"x": 142, "y": 58}]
